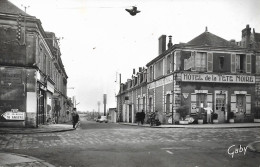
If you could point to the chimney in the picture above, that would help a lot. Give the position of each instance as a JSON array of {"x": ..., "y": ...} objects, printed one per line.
[
  {"x": 140, "y": 69},
  {"x": 162, "y": 44},
  {"x": 170, "y": 42},
  {"x": 206, "y": 29}
]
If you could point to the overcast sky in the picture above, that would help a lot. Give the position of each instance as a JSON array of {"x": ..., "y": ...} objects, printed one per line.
[{"x": 102, "y": 40}]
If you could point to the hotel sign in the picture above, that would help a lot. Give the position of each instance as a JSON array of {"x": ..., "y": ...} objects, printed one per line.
[{"x": 187, "y": 77}]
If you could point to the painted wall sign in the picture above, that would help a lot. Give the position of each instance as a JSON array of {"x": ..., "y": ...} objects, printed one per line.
[
  {"x": 188, "y": 77},
  {"x": 10, "y": 115},
  {"x": 160, "y": 82}
]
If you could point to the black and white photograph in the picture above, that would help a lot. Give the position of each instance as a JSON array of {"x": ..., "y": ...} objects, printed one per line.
[{"x": 129, "y": 83}]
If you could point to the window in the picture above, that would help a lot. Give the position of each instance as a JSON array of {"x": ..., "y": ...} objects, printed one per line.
[
  {"x": 168, "y": 109},
  {"x": 220, "y": 102},
  {"x": 151, "y": 73},
  {"x": 159, "y": 69},
  {"x": 258, "y": 63},
  {"x": 200, "y": 61},
  {"x": 138, "y": 105},
  {"x": 240, "y": 63},
  {"x": 201, "y": 100},
  {"x": 150, "y": 104},
  {"x": 221, "y": 62},
  {"x": 144, "y": 103},
  {"x": 169, "y": 64}
]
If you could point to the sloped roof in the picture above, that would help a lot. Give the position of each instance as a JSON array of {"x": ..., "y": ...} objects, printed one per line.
[
  {"x": 209, "y": 39},
  {"x": 9, "y": 8}
]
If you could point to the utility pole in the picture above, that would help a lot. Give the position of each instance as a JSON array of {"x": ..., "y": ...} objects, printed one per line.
[
  {"x": 105, "y": 102},
  {"x": 98, "y": 106}
]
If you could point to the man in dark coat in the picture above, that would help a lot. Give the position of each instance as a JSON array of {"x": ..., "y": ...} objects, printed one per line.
[
  {"x": 142, "y": 116},
  {"x": 75, "y": 117}
]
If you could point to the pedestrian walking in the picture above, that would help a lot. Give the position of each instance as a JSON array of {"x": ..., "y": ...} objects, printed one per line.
[
  {"x": 75, "y": 117},
  {"x": 142, "y": 116},
  {"x": 138, "y": 117},
  {"x": 209, "y": 111}
]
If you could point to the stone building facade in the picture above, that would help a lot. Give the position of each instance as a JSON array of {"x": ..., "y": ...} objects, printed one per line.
[
  {"x": 207, "y": 71},
  {"x": 33, "y": 81}
]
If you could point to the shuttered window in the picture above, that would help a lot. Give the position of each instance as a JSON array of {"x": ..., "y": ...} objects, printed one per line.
[
  {"x": 210, "y": 62},
  {"x": 193, "y": 60},
  {"x": 233, "y": 103},
  {"x": 248, "y": 63},
  {"x": 248, "y": 104},
  {"x": 233, "y": 63},
  {"x": 258, "y": 63}
]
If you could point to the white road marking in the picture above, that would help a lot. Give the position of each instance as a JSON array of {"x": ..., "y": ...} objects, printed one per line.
[
  {"x": 169, "y": 152},
  {"x": 175, "y": 148}
]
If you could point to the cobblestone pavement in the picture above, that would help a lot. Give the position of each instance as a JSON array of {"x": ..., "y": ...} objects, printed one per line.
[{"x": 144, "y": 136}]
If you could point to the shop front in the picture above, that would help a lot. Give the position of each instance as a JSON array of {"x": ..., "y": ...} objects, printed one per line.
[{"x": 222, "y": 93}]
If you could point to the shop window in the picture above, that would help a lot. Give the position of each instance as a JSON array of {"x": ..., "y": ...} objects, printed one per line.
[
  {"x": 220, "y": 102},
  {"x": 201, "y": 100}
]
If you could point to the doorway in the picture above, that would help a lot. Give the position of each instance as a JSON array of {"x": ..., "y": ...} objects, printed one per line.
[
  {"x": 130, "y": 113},
  {"x": 221, "y": 107}
]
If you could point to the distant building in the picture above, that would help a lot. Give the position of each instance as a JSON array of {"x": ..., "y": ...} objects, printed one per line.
[
  {"x": 207, "y": 71},
  {"x": 33, "y": 80}
]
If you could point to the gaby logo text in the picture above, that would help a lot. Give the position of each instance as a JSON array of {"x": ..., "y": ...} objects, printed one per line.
[{"x": 233, "y": 150}]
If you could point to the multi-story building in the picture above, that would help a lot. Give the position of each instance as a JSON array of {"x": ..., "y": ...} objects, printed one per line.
[
  {"x": 207, "y": 71},
  {"x": 33, "y": 81}
]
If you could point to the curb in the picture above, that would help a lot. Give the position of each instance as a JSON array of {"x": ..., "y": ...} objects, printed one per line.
[
  {"x": 252, "y": 148},
  {"x": 29, "y": 157},
  {"x": 194, "y": 127},
  {"x": 33, "y": 132}
]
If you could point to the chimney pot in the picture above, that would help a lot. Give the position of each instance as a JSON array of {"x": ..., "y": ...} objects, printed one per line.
[
  {"x": 162, "y": 44},
  {"x": 170, "y": 42}
]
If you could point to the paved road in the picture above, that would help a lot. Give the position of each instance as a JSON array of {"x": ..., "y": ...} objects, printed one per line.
[{"x": 100, "y": 144}]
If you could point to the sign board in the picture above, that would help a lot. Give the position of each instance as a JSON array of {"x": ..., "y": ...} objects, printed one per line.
[
  {"x": 189, "y": 77},
  {"x": 10, "y": 115}
]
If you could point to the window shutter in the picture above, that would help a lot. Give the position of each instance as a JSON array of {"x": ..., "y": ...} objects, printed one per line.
[
  {"x": 210, "y": 62},
  {"x": 233, "y": 102},
  {"x": 257, "y": 63},
  {"x": 248, "y": 63},
  {"x": 193, "y": 103},
  {"x": 248, "y": 104},
  {"x": 193, "y": 61},
  {"x": 233, "y": 63}
]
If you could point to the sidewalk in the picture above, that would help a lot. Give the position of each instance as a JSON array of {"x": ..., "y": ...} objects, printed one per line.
[
  {"x": 10, "y": 159},
  {"x": 41, "y": 129},
  {"x": 202, "y": 126}
]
